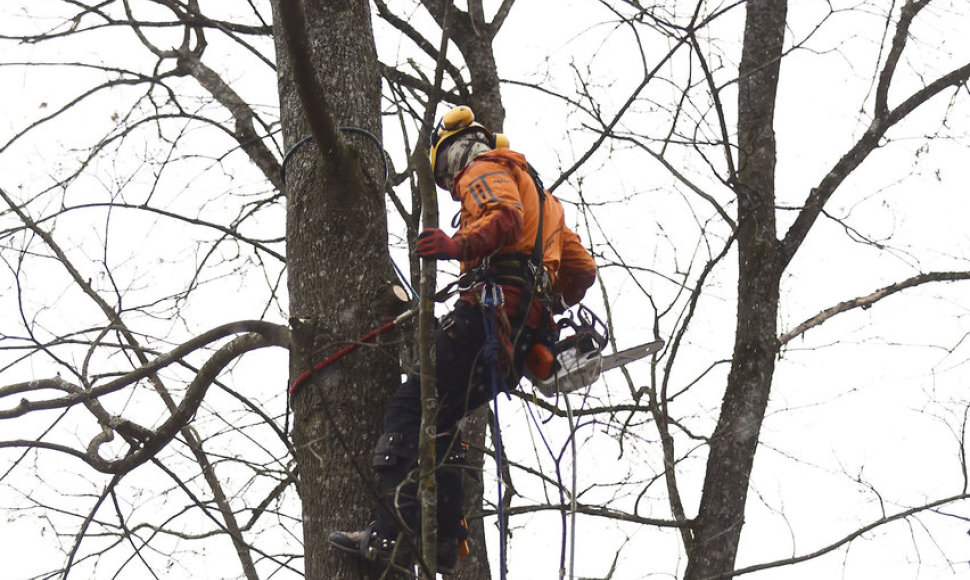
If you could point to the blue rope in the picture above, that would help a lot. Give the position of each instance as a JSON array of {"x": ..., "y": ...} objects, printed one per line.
[
  {"x": 404, "y": 280},
  {"x": 490, "y": 356}
]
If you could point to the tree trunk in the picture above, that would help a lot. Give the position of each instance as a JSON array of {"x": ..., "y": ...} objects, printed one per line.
[
  {"x": 721, "y": 514},
  {"x": 474, "y": 37},
  {"x": 338, "y": 273}
]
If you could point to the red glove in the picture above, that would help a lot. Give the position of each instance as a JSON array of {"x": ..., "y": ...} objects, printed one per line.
[{"x": 434, "y": 243}]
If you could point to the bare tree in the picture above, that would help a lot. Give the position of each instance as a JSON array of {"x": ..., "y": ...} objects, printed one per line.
[
  {"x": 763, "y": 256},
  {"x": 144, "y": 259},
  {"x": 118, "y": 337}
]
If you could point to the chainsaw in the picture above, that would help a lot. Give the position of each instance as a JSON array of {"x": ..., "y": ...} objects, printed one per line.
[{"x": 577, "y": 360}]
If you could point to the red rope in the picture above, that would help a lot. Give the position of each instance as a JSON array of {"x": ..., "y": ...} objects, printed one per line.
[{"x": 370, "y": 336}]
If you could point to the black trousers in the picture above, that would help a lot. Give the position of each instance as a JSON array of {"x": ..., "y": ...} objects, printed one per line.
[{"x": 463, "y": 383}]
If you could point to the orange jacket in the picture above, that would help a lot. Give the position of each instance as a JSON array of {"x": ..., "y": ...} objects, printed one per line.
[{"x": 500, "y": 215}]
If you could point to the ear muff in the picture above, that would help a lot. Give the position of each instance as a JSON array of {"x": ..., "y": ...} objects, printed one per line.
[{"x": 457, "y": 118}]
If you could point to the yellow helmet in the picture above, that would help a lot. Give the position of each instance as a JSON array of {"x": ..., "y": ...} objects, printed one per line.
[{"x": 459, "y": 120}]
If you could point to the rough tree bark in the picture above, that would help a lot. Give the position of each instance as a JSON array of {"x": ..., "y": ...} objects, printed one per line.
[
  {"x": 717, "y": 529},
  {"x": 338, "y": 265}
]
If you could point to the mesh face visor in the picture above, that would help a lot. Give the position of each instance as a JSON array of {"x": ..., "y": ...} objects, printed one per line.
[
  {"x": 457, "y": 153},
  {"x": 451, "y": 124}
]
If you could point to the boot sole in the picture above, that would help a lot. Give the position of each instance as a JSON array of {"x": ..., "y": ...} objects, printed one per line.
[{"x": 443, "y": 570}]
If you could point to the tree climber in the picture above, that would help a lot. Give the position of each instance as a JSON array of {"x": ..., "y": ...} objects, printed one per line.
[{"x": 498, "y": 242}]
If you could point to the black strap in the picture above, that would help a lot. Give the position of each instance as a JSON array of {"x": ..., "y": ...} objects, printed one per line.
[
  {"x": 516, "y": 269},
  {"x": 535, "y": 262},
  {"x": 537, "y": 246}
]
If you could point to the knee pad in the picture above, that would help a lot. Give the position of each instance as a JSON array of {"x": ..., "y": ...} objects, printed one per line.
[
  {"x": 457, "y": 456},
  {"x": 451, "y": 496},
  {"x": 450, "y": 449},
  {"x": 392, "y": 451},
  {"x": 462, "y": 326}
]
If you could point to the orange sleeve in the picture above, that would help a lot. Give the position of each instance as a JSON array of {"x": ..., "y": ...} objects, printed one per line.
[
  {"x": 492, "y": 215},
  {"x": 500, "y": 211},
  {"x": 577, "y": 270}
]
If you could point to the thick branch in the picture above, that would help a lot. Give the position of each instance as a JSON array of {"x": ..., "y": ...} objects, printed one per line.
[
  {"x": 312, "y": 96},
  {"x": 428, "y": 434},
  {"x": 181, "y": 415},
  {"x": 867, "y": 301},
  {"x": 882, "y": 121},
  {"x": 906, "y": 16},
  {"x": 846, "y": 539},
  {"x": 247, "y": 137},
  {"x": 275, "y": 334}
]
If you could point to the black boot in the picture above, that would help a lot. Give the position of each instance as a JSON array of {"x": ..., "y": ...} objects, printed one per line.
[{"x": 371, "y": 545}]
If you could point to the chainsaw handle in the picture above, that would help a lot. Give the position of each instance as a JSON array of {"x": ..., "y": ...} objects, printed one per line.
[
  {"x": 584, "y": 324},
  {"x": 601, "y": 334}
]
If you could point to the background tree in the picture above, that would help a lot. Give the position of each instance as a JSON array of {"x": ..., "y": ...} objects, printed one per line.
[{"x": 764, "y": 255}]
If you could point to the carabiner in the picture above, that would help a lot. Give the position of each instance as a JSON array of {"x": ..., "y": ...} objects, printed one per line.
[{"x": 492, "y": 295}]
